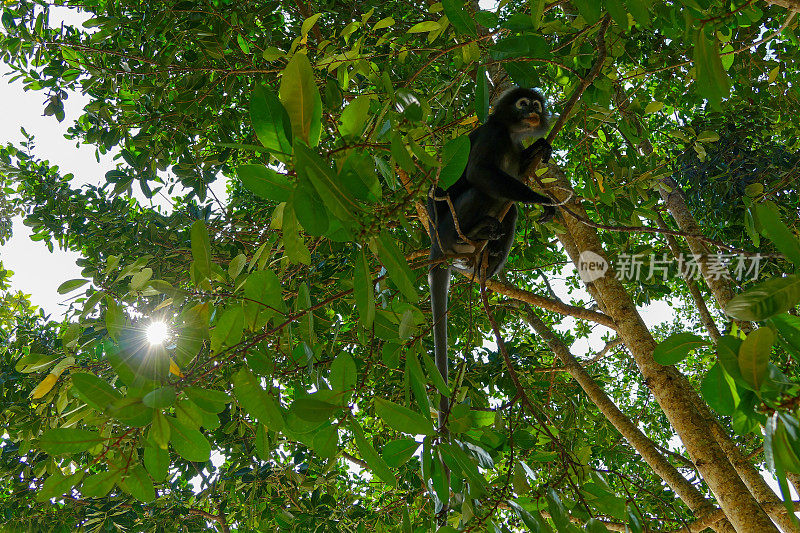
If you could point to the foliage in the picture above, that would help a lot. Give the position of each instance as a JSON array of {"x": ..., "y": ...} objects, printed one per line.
[{"x": 296, "y": 392}]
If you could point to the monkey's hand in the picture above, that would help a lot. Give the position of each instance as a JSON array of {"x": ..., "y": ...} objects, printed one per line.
[
  {"x": 437, "y": 193},
  {"x": 547, "y": 215},
  {"x": 488, "y": 229},
  {"x": 541, "y": 146}
]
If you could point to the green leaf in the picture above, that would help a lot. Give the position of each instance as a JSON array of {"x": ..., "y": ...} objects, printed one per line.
[
  {"x": 713, "y": 82},
  {"x": 160, "y": 398},
  {"x": 383, "y": 23},
  {"x": 776, "y": 231},
  {"x": 71, "y": 285},
  {"x": 57, "y": 484},
  {"x": 243, "y": 43},
  {"x": 34, "y": 362},
  {"x": 398, "y": 452},
  {"x": 558, "y": 513},
  {"x": 789, "y": 328},
  {"x": 140, "y": 279},
  {"x": 270, "y": 121},
  {"x": 236, "y": 266},
  {"x": 159, "y": 429},
  {"x": 139, "y": 485},
  {"x": 528, "y": 45},
  {"x": 314, "y": 410},
  {"x": 353, "y": 119},
  {"x": 708, "y": 136},
  {"x": 719, "y": 391},
  {"x": 131, "y": 412},
  {"x": 639, "y": 10},
  {"x": 255, "y": 400},
  {"x": 728, "y": 356},
  {"x": 417, "y": 381},
  {"x": 338, "y": 200},
  {"x": 363, "y": 290},
  {"x": 402, "y": 418},
  {"x": 487, "y": 19},
  {"x": 595, "y": 526},
  {"x": 210, "y": 400},
  {"x": 309, "y": 23},
  {"x": 772, "y": 297},
  {"x": 326, "y": 442},
  {"x": 458, "y": 16},
  {"x": 201, "y": 248},
  {"x": 98, "y": 485},
  {"x": 456, "y": 155},
  {"x": 294, "y": 245},
  {"x": 188, "y": 442},
  {"x": 457, "y": 460},
  {"x": 309, "y": 209},
  {"x": 481, "y": 94},
  {"x": 156, "y": 461},
  {"x": 603, "y": 498},
  {"x": 394, "y": 261},
  {"x": 676, "y": 347},
  {"x": 62, "y": 441},
  {"x": 264, "y": 297},
  {"x": 344, "y": 374},
  {"x": 374, "y": 461},
  {"x": 265, "y": 182},
  {"x": 618, "y": 12},
  {"x": 653, "y": 107},
  {"x": 422, "y": 27},
  {"x": 300, "y": 97},
  {"x": 435, "y": 375},
  {"x": 589, "y": 9},
  {"x": 97, "y": 393},
  {"x": 229, "y": 328},
  {"x": 400, "y": 153},
  {"x": 754, "y": 356},
  {"x": 358, "y": 176}
]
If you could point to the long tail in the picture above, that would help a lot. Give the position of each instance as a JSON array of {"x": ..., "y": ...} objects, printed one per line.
[{"x": 439, "y": 281}]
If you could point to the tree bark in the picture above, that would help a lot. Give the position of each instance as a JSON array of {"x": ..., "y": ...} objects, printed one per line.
[
  {"x": 692, "y": 497},
  {"x": 670, "y": 388},
  {"x": 723, "y": 292}
]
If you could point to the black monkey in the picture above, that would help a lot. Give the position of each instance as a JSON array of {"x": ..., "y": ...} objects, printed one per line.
[{"x": 497, "y": 162}]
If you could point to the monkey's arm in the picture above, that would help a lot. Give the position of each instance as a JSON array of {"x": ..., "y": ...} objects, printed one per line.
[
  {"x": 496, "y": 183},
  {"x": 541, "y": 146}
]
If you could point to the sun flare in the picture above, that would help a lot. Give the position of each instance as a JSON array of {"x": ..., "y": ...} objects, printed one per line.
[{"x": 157, "y": 333}]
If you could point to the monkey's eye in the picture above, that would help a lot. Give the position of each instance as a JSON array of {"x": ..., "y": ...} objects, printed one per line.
[
  {"x": 537, "y": 105},
  {"x": 522, "y": 102}
]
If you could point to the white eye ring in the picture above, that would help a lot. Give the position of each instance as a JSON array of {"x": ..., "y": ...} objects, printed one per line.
[
  {"x": 522, "y": 102},
  {"x": 537, "y": 105}
]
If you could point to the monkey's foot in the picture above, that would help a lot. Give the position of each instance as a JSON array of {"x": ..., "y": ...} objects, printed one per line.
[{"x": 488, "y": 229}]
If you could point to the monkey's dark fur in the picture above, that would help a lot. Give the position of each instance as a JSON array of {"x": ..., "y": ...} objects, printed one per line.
[{"x": 497, "y": 162}]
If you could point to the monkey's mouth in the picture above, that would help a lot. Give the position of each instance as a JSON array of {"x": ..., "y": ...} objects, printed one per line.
[{"x": 533, "y": 120}]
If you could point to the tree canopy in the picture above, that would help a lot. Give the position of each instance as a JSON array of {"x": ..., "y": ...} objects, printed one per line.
[{"x": 295, "y": 390}]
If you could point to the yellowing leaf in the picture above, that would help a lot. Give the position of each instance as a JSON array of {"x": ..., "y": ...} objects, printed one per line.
[
  {"x": 309, "y": 23},
  {"x": 422, "y": 27},
  {"x": 300, "y": 96},
  {"x": 175, "y": 369},
  {"x": 653, "y": 107},
  {"x": 44, "y": 387},
  {"x": 383, "y": 23}
]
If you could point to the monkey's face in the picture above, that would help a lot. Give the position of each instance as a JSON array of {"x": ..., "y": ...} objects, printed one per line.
[
  {"x": 523, "y": 111},
  {"x": 530, "y": 111}
]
